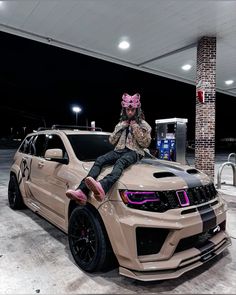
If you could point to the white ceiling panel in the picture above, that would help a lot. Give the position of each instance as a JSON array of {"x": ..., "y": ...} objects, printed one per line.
[
  {"x": 163, "y": 33},
  {"x": 172, "y": 63},
  {"x": 15, "y": 13}
]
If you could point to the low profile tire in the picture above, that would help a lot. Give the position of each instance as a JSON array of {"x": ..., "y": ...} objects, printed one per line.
[
  {"x": 88, "y": 241},
  {"x": 14, "y": 195}
]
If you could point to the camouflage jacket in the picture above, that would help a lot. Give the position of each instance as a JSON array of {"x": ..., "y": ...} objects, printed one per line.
[{"x": 138, "y": 138}]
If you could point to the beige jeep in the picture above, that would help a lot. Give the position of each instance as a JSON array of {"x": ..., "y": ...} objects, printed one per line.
[{"x": 158, "y": 221}]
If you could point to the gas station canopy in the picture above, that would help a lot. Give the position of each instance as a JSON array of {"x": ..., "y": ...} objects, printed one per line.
[{"x": 161, "y": 35}]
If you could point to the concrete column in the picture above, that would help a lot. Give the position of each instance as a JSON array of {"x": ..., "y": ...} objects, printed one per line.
[{"x": 205, "y": 110}]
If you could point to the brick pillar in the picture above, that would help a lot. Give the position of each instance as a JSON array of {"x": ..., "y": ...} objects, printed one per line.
[{"x": 205, "y": 111}]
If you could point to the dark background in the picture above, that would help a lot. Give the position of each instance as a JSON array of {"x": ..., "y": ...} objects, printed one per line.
[{"x": 40, "y": 83}]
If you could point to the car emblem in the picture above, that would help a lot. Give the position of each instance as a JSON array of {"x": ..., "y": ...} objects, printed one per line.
[
  {"x": 183, "y": 198},
  {"x": 216, "y": 229}
]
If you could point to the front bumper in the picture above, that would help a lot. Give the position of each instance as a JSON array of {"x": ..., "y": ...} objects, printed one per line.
[
  {"x": 179, "y": 263},
  {"x": 121, "y": 224}
]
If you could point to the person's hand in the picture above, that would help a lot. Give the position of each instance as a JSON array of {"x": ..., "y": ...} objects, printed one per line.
[
  {"x": 133, "y": 122},
  {"x": 124, "y": 124}
]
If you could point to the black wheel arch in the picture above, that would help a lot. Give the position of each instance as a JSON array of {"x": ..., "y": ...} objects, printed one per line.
[{"x": 15, "y": 198}]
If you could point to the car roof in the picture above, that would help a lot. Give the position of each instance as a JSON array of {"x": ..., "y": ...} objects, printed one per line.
[{"x": 70, "y": 130}]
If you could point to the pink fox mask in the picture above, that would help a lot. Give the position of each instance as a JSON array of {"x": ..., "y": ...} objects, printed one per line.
[{"x": 129, "y": 101}]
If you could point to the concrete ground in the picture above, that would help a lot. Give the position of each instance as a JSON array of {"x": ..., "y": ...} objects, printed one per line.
[{"x": 35, "y": 257}]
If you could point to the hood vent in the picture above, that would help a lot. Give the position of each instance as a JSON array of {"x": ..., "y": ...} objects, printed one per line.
[
  {"x": 193, "y": 171},
  {"x": 163, "y": 174}
]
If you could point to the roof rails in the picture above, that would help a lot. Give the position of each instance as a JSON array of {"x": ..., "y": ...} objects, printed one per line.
[
  {"x": 75, "y": 127},
  {"x": 42, "y": 128},
  {"x": 72, "y": 127}
]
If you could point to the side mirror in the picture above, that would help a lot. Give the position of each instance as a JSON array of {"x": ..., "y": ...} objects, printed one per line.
[{"x": 55, "y": 155}]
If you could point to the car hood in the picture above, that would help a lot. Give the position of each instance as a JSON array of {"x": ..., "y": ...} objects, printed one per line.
[{"x": 154, "y": 174}]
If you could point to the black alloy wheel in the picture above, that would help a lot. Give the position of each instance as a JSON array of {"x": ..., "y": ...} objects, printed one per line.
[
  {"x": 88, "y": 240},
  {"x": 14, "y": 195}
]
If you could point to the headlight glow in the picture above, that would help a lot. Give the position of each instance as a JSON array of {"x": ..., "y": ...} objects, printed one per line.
[{"x": 139, "y": 197}]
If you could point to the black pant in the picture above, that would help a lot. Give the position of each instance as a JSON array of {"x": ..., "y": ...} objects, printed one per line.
[{"x": 120, "y": 159}]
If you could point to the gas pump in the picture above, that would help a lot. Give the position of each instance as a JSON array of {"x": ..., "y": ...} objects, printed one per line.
[{"x": 171, "y": 139}]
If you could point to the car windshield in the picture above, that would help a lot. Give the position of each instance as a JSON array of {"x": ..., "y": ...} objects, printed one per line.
[{"x": 88, "y": 147}]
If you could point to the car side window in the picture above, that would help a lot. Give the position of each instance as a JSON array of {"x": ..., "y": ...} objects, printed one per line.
[
  {"x": 55, "y": 142},
  {"x": 38, "y": 145},
  {"x": 24, "y": 148}
]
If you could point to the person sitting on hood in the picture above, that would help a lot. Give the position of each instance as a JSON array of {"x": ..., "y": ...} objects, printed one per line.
[{"x": 130, "y": 137}]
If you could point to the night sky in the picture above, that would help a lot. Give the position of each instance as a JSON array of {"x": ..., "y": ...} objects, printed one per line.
[{"x": 40, "y": 83}]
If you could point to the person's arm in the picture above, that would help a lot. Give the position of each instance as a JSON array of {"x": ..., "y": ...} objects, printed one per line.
[
  {"x": 116, "y": 134},
  {"x": 142, "y": 133}
]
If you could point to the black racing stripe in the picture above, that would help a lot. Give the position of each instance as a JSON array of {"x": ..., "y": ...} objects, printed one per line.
[
  {"x": 208, "y": 217},
  {"x": 157, "y": 163},
  {"x": 190, "y": 179}
]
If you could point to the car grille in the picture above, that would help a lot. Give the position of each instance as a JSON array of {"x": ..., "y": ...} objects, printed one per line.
[{"x": 169, "y": 199}]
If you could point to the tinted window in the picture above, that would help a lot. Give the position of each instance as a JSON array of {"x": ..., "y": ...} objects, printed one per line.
[
  {"x": 89, "y": 147},
  {"x": 25, "y": 146},
  {"x": 38, "y": 145}
]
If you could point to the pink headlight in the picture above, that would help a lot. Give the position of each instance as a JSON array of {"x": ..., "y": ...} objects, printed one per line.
[{"x": 139, "y": 198}]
